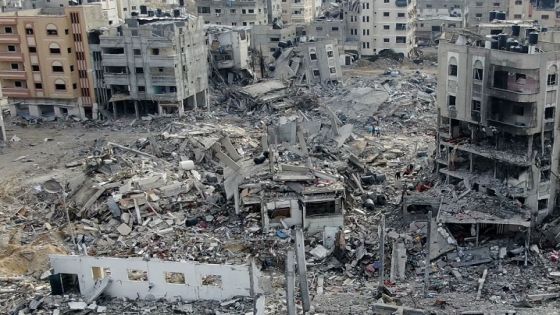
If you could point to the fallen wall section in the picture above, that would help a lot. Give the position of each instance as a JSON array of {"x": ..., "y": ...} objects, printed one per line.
[{"x": 137, "y": 278}]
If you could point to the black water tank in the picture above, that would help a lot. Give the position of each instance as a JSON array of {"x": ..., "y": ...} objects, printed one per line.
[
  {"x": 524, "y": 49},
  {"x": 276, "y": 53},
  {"x": 143, "y": 9},
  {"x": 517, "y": 49},
  {"x": 529, "y": 31},
  {"x": 176, "y": 13},
  {"x": 515, "y": 30},
  {"x": 158, "y": 12},
  {"x": 544, "y": 29},
  {"x": 492, "y": 16},
  {"x": 501, "y": 16},
  {"x": 133, "y": 13},
  {"x": 150, "y": 13},
  {"x": 502, "y": 41},
  {"x": 494, "y": 44},
  {"x": 533, "y": 38}
]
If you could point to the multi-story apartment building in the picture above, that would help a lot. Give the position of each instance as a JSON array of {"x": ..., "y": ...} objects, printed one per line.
[
  {"x": 498, "y": 124},
  {"x": 299, "y": 11},
  {"x": 477, "y": 11},
  {"x": 435, "y": 17},
  {"x": 238, "y": 13},
  {"x": 377, "y": 25},
  {"x": 45, "y": 63},
  {"x": 544, "y": 11},
  {"x": 326, "y": 29},
  {"x": 156, "y": 65}
]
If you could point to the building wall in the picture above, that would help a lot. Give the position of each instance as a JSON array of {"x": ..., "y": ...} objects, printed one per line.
[
  {"x": 298, "y": 11},
  {"x": 34, "y": 80},
  {"x": 164, "y": 61},
  {"x": 327, "y": 29},
  {"x": 159, "y": 279},
  {"x": 377, "y": 26},
  {"x": 236, "y": 13},
  {"x": 525, "y": 10},
  {"x": 479, "y": 11},
  {"x": 534, "y": 97},
  {"x": 233, "y": 43},
  {"x": 321, "y": 61},
  {"x": 433, "y": 8},
  {"x": 264, "y": 38}
]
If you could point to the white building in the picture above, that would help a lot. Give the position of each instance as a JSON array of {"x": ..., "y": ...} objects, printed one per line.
[
  {"x": 377, "y": 25},
  {"x": 299, "y": 11}
]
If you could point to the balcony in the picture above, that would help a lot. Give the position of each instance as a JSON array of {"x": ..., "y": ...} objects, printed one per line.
[
  {"x": 166, "y": 96},
  {"x": 9, "y": 39},
  {"x": 161, "y": 60},
  {"x": 11, "y": 56},
  {"x": 163, "y": 79},
  {"x": 116, "y": 78},
  {"x": 113, "y": 59},
  {"x": 15, "y": 92},
  {"x": 13, "y": 74}
]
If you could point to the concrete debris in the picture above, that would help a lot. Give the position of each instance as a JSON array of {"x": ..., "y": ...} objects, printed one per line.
[{"x": 313, "y": 194}]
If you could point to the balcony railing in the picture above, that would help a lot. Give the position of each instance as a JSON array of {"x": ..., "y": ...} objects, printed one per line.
[{"x": 12, "y": 74}]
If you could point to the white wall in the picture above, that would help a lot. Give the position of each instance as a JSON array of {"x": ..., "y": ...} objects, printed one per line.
[{"x": 236, "y": 279}]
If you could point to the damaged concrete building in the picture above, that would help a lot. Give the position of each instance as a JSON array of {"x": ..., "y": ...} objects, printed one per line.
[
  {"x": 156, "y": 65},
  {"x": 498, "y": 127},
  {"x": 229, "y": 51}
]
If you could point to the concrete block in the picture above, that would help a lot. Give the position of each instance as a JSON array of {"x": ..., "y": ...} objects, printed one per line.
[{"x": 124, "y": 229}]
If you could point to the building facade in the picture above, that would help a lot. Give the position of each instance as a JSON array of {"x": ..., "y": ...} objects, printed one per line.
[
  {"x": 156, "y": 65},
  {"x": 544, "y": 11},
  {"x": 238, "y": 13},
  {"x": 45, "y": 61},
  {"x": 376, "y": 25},
  {"x": 299, "y": 11},
  {"x": 479, "y": 11},
  {"x": 320, "y": 61},
  {"x": 498, "y": 125},
  {"x": 266, "y": 38}
]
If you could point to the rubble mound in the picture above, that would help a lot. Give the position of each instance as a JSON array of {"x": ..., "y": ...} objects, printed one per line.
[{"x": 16, "y": 260}]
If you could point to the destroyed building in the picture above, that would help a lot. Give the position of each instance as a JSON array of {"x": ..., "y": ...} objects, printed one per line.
[
  {"x": 476, "y": 12},
  {"x": 268, "y": 39},
  {"x": 299, "y": 11},
  {"x": 310, "y": 63},
  {"x": 498, "y": 127},
  {"x": 156, "y": 65},
  {"x": 45, "y": 67},
  {"x": 229, "y": 51},
  {"x": 545, "y": 12}
]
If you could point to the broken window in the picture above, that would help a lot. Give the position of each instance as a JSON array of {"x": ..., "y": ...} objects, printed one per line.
[
  {"x": 551, "y": 79},
  {"x": 312, "y": 54},
  {"x": 545, "y": 176},
  {"x": 543, "y": 204},
  {"x": 518, "y": 110},
  {"x": 316, "y": 72},
  {"x": 549, "y": 113},
  {"x": 212, "y": 280},
  {"x": 283, "y": 212},
  {"x": 320, "y": 208},
  {"x": 203, "y": 9},
  {"x": 332, "y": 69},
  {"x": 175, "y": 277},
  {"x": 452, "y": 71},
  {"x": 451, "y": 99},
  {"x": 478, "y": 74},
  {"x": 137, "y": 275},
  {"x": 475, "y": 106},
  {"x": 330, "y": 54}
]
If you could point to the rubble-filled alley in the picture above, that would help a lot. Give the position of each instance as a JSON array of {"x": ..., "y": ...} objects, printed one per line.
[{"x": 275, "y": 199}]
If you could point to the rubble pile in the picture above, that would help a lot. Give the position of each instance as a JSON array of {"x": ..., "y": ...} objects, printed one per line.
[{"x": 223, "y": 187}]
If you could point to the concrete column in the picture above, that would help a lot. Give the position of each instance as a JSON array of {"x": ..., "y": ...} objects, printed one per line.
[
  {"x": 136, "y": 109},
  {"x": 34, "y": 111},
  {"x": 13, "y": 110},
  {"x": 398, "y": 261},
  {"x": 114, "y": 110},
  {"x": 530, "y": 147},
  {"x": 302, "y": 270},
  {"x": 2, "y": 128},
  {"x": 57, "y": 112},
  {"x": 159, "y": 109},
  {"x": 290, "y": 282},
  {"x": 195, "y": 101},
  {"x": 206, "y": 99},
  {"x": 181, "y": 107}
]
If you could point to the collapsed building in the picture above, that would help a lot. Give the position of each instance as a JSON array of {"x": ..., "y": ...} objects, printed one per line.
[
  {"x": 156, "y": 65},
  {"x": 497, "y": 129},
  {"x": 229, "y": 52}
]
